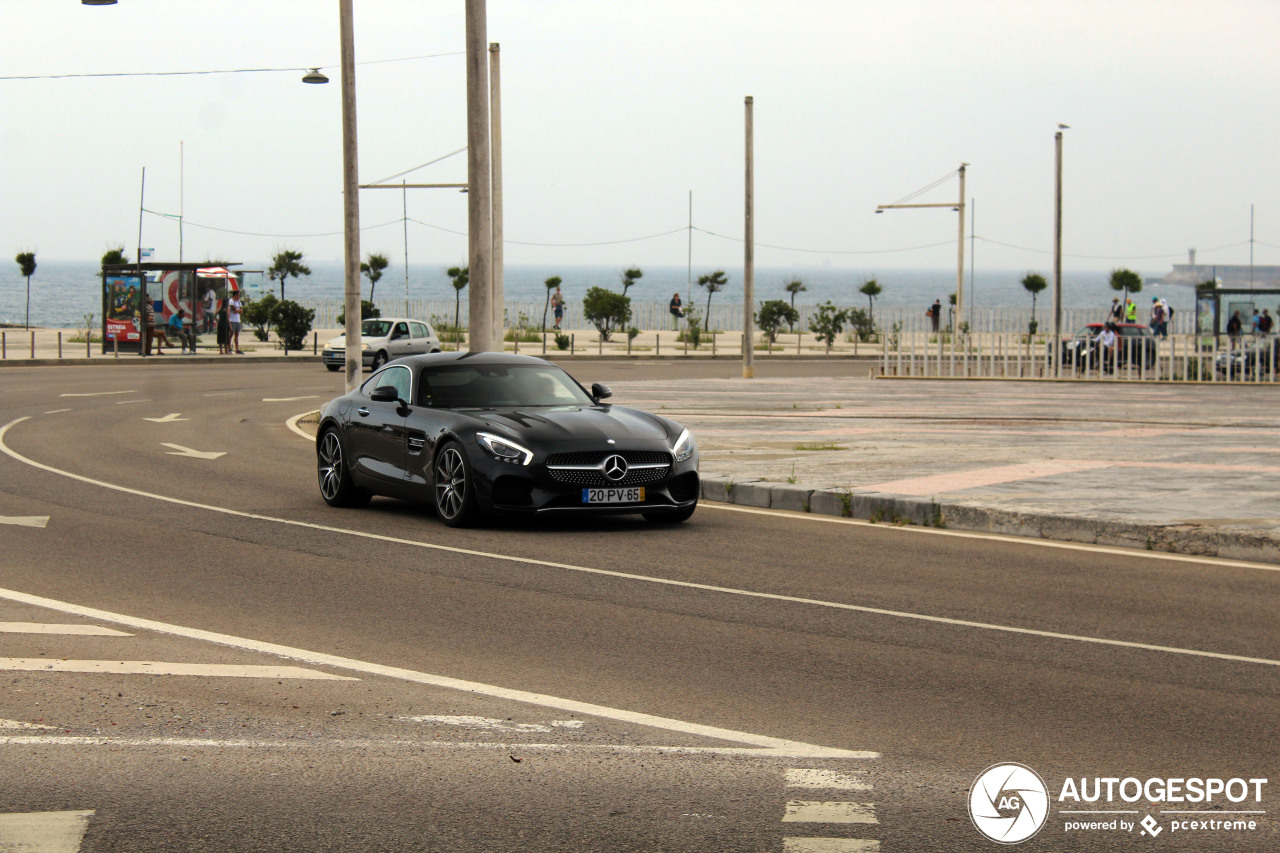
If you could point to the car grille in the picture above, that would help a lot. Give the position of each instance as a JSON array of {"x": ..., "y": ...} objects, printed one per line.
[{"x": 595, "y": 476}]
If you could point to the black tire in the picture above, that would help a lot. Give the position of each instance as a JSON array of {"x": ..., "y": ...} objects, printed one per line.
[
  {"x": 676, "y": 517},
  {"x": 333, "y": 474},
  {"x": 379, "y": 359},
  {"x": 453, "y": 486},
  {"x": 333, "y": 368}
]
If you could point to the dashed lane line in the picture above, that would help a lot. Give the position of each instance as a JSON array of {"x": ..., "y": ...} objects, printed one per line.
[
  {"x": 47, "y": 628},
  {"x": 829, "y": 811}
]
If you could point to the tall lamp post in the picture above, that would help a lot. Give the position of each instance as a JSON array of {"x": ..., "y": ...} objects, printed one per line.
[
  {"x": 1057, "y": 250},
  {"x": 960, "y": 303}
]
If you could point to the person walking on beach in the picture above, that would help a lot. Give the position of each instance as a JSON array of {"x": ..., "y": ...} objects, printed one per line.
[
  {"x": 234, "y": 307},
  {"x": 935, "y": 313},
  {"x": 557, "y": 305}
]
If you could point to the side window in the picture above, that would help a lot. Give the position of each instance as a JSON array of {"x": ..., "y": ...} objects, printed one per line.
[
  {"x": 419, "y": 330},
  {"x": 396, "y": 376},
  {"x": 402, "y": 330}
]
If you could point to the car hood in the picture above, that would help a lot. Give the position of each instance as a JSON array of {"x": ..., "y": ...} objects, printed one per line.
[
  {"x": 341, "y": 341},
  {"x": 578, "y": 423}
]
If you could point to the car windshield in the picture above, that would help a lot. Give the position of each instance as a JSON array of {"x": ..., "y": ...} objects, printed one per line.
[
  {"x": 375, "y": 328},
  {"x": 491, "y": 386},
  {"x": 1089, "y": 332}
]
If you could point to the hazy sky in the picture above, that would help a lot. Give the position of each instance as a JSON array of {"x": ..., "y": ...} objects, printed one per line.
[{"x": 614, "y": 110}]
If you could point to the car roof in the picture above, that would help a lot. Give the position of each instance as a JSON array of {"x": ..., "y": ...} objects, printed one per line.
[{"x": 476, "y": 358}]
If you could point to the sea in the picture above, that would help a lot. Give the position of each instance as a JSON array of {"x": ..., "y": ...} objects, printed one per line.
[{"x": 63, "y": 293}]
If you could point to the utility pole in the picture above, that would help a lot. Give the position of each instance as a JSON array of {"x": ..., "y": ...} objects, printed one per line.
[
  {"x": 1057, "y": 252},
  {"x": 350, "y": 201},
  {"x": 479, "y": 181},
  {"x": 495, "y": 116},
  {"x": 749, "y": 260},
  {"x": 960, "y": 303}
]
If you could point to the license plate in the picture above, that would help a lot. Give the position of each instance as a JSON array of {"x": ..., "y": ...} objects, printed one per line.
[{"x": 613, "y": 496}]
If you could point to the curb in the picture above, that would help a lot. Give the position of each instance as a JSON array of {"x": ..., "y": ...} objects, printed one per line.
[{"x": 1191, "y": 539}]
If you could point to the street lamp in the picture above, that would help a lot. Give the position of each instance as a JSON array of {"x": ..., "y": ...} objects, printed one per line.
[
  {"x": 314, "y": 76},
  {"x": 960, "y": 242}
]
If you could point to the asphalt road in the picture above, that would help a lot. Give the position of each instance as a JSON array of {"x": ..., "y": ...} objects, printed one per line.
[{"x": 564, "y": 685}]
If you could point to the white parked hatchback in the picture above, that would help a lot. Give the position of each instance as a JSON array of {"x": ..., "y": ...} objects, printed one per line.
[{"x": 383, "y": 339}]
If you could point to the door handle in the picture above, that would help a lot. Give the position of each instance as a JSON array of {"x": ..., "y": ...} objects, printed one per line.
[{"x": 362, "y": 412}]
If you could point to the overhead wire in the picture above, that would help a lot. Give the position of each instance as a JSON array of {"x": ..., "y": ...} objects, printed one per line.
[{"x": 219, "y": 70}]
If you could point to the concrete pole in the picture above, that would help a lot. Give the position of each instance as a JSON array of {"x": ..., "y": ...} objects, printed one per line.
[
  {"x": 479, "y": 197},
  {"x": 749, "y": 254},
  {"x": 495, "y": 116},
  {"x": 350, "y": 201},
  {"x": 1057, "y": 255},
  {"x": 960, "y": 304}
]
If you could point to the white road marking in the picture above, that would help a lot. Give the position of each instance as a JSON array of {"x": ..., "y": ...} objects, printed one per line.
[
  {"x": 765, "y": 746},
  {"x": 58, "y": 411},
  {"x": 492, "y": 723},
  {"x": 47, "y": 628},
  {"x": 292, "y": 424},
  {"x": 995, "y": 537},
  {"x": 814, "y": 811},
  {"x": 43, "y": 832},
  {"x": 147, "y": 667},
  {"x": 97, "y": 394},
  {"x": 17, "y": 724},
  {"x": 288, "y": 399},
  {"x": 167, "y": 419},
  {"x": 766, "y": 596},
  {"x": 828, "y": 779},
  {"x": 830, "y": 845},
  {"x": 179, "y": 450},
  {"x": 25, "y": 520},
  {"x": 132, "y": 402}
]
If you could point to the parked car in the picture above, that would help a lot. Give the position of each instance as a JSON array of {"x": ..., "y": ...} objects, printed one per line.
[
  {"x": 1132, "y": 339},
  {"x": 383, "y": 339},
  {"x": 475, "y": 433},
  {"x": 1256, "y": 361}
]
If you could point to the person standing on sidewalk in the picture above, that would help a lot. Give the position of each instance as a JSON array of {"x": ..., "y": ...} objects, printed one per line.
[
  {"x": 224, "y": 331},
  {"x": 557, "y": 305},
  {"x": 1130, "y": 311},
  {"x": 234, "y": 307},
  {"x": 935, "y": 313},
  {"x": 677, "y": 311},
  {"x": 1117, "y": 311}
]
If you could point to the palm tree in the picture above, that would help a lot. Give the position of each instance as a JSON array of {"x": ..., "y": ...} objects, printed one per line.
[
  {"x": 630, "y": 277},
  {"x": 459, "y": 278},
  {"x": 373, "y": 268},
  {"x": 871, "y": 289},
  {"x": 1034, "y": 284},
  {"x": 115, "y": 256},
  {"x": 551, "y": 283},
  {"x": 793, "y": 287},
  {"x": 27, "y": 266},
  {"x": 714, "y": 283},
  {"x": 285, "y": 264},
  {"x": 1128, "y": 281}
]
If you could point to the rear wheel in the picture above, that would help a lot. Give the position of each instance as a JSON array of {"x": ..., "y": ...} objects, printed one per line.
[
  {"x": 333, "y": 368},
  {"x": 379, "y": 359},
  {"x": 335, "y": 478},
  {"x": 454, "y": 486}
]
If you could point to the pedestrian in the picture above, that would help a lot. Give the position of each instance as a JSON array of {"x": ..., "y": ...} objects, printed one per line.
[
  {"x": 234, "y": 307},
  {"x": 1234, "y": 327},
  {"x": 1130, "y": 311},
  {"x": 557, "y": 305},
  {"x": 676, "y": 307},
  {"x": 155, "y": 332},
  {"x": 1157, "y": 317},
  {"x": 1266, "y": 322},
  {"x": 210, "y": 310},
  {"x": 934, "y": 313},
  {"x": 224, "y": 331},
  {"x": 1255, "y": 325},
  {"x": 1117, "y": 311},
  {"x": 1107, "y": 346},
  {"x": 1167, "y": 311},
  {"x": 177, "y": 326}
]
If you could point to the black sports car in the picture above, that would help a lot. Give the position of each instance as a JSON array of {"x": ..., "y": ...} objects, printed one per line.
[{"x": 476, "y": 433}]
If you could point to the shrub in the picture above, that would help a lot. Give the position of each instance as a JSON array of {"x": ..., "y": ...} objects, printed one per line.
[
  {"x": 260, "y": 314},
  {"x": 772, "y": 315},
  {"x": 368, "y": 311},
  {"x": 607, "y": 311},
  {"x": 293, "y": 322}
]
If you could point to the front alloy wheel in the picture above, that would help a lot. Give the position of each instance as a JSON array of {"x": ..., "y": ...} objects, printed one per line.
[
  {"x": 453, "y": 487},
  {"x": 331, "y": 470}
]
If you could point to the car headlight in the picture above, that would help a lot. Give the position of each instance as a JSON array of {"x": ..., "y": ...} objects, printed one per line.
[
  {"x": 364, "y": 347},
  {"x": 504, "y": 449},
  {"x": 684, "y": 446}
]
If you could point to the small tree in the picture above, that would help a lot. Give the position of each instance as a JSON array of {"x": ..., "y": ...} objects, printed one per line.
[
  {"x": 871, "y": 289},
  {"x": 551, "y": 284},
  {"x": 285, "y": 264},
  {"x": 772, "y": 315},
  {"x": 115, "y": 256},
  {"x": 368, "y": 311},
  {"x": 793, "y": 287},
  {"x": 373, "y": 269},
  {"x": 606, "y": 310},
  {"x": 861, "y": 323},
  {"x": 293, "y": 322},
  {"x": 714, "y": 283},
  {"x": 1034, "y": 284},
  {"x": 630, "y": 277},
  {"x": 1128, "y": 281},
  {"x": 459, "y": 277},
  {"x": 260, "y": 314},
  {"x": 829, "y": 323},
  {"x": 27, "y": 268}
]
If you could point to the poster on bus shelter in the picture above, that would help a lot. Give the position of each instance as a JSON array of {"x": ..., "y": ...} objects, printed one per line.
[{"x": 123, "y": 300}]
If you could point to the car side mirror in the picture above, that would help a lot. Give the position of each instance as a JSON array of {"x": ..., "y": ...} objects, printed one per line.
[
  {"x": 387, "y": 394},
  {"x": 600, "y": 391}
]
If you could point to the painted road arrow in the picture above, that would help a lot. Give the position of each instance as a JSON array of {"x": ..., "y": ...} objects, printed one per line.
[
  {"x": 167, "y": 419},
  {"x": 25, "y": 520},
  {"x": 179, "y": 450}
]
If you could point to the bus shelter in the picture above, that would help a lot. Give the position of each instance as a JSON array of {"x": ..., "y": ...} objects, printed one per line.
[{"x": 138, "y": 298}]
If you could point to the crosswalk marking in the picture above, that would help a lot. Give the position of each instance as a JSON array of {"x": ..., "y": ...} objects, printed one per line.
[
  {"x": 43, "y": 832},
  {"x": 828, "y": 779},
  {"x": 48, "y": 628},
  {"x": 830, "y": 845},
  {"x": 146, "y": 667},
  {"x": 25, "y": 520},
  {"x": 814, "y": 811}
]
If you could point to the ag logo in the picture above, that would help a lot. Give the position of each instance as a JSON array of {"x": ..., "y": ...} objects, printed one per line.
[{"x": 1008, "y": 803}]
